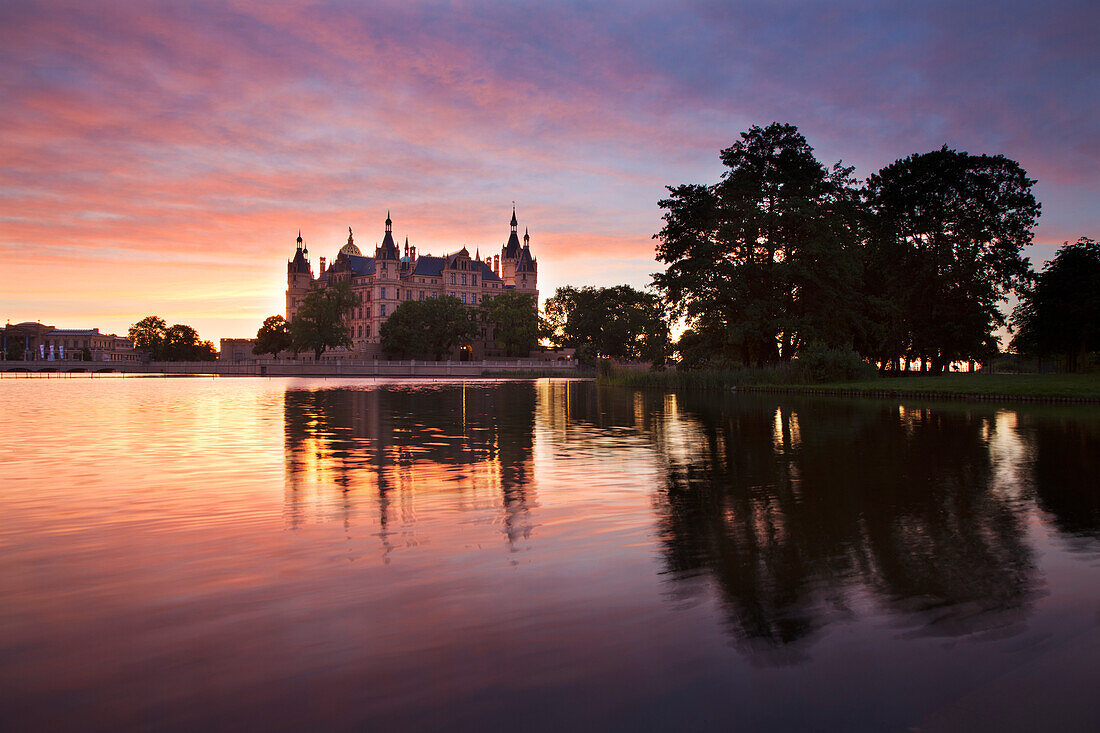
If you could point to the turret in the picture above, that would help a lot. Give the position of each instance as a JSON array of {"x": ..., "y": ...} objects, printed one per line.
[
  {"x": 388, "y": 249},
  {"x": 526, "y": 274},
  {"x": 509, "y": 254},
  {"x": 299, "y": 277}
]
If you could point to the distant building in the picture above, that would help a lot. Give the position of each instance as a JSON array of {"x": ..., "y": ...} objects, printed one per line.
[
  {"x": 33, "y": 341},
  {"x": 383, "y": 281},
  {"x": 240, "y": 350}
]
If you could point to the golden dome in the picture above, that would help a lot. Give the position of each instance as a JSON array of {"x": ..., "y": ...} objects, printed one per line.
[{"x": 350, "y": 248}]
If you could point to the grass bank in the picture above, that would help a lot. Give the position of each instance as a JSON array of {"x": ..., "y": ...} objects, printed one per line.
[{"x": 1044, "y": 387}]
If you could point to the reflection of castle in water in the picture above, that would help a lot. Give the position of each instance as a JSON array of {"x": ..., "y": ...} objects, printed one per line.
[
  {"x": 792, "y": 514},
  {"x": 398, "y": 445}
]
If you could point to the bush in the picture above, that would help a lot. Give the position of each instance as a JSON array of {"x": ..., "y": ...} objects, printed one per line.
[{"x": 817, "y": 363}]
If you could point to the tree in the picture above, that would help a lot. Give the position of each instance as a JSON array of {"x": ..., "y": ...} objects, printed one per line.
[
  {"x": 947, "y": 232},
  {"x": 1060, "y": 312},
  {"x": 514, "y": 321},
  {"x": 148, "y": 336},
  {"x": 618, "y": 322},
  {"x": 182, "y": 343},
  {"x": 427, "y": 328},
  {"x": 85, "y": 354},
  {"x": 320, "y": 321},
  {"x": 763, "y": 261},
  {"x": 273, "y": 336}
]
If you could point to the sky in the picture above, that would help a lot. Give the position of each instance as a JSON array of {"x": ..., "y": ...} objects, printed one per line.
[{"x": 161, "y": 157}]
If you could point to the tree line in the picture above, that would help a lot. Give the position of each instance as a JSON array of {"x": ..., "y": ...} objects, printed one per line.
[
  {"x": 162, "y": 342},
  {"x": 782, "y": 254},
  {"x": 784, "y": 258},
  {"x": 417, "y": 329}
]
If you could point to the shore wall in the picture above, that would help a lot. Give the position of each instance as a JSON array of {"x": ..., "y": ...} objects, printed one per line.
[{"x": 412, "y": 368}]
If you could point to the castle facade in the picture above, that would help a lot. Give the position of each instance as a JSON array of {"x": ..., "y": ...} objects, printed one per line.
[{"x": 391, "y": 276}]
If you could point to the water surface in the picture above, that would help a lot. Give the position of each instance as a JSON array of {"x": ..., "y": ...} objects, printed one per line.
[{"x": 353, "y": 554}]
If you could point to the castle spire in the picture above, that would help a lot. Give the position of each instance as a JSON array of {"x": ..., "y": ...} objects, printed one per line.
[
  {"x": 389, "y": 224},
  {"x": 526, "y": 237},
  {"x": 514, "y": 222},
  {"x": 299, "y": 239}
]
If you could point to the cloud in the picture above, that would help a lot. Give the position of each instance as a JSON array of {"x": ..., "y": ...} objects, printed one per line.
[{"x": 202, "y": 136}]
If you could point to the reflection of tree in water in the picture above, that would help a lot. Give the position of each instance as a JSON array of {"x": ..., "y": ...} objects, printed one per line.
[
  {"x": 1066, "y": 463},
  {"x": 792, "y": 509},
  {"x": 391, "y": 439}
]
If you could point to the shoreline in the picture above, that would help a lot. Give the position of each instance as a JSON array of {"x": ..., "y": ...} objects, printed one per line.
[
  {"x": 918, "y": 395},
  {"x": 1032, "y": 388}
]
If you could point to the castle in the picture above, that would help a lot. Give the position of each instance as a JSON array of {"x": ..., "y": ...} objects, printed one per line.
[{"x": 382, "y": 281}]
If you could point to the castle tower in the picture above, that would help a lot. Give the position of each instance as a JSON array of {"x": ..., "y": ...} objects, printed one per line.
[
  {"x": 527, "y": 270},
  {"x": 299, "y": 278},
  {"x": 509, "y": 254}
]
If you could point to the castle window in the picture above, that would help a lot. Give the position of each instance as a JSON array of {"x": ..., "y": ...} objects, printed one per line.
[
  {"x": 452, "y": 278},
  {"x": 382, "y": 293},
  {"x": 368, "y": 311},
  {"x": 464, "y": 297},
  {"x": 360, "y": 332},
  {"x": 463, "y": 278},
  {"x": 368, "y": 330},
  {"x": 473, "y": 279},
  {"x": 473, "y": 297},
  {"x": 422, "y": 293},
  {"x": 382, "y": 310}
]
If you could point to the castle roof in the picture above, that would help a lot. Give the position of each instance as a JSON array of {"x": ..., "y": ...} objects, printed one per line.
[
  {"x": 429, "y": 266},
  {"x": 511, "y": 247},
  {"x": 526, "y": 262},
  {"x": 488, "y": 274},
  {"x": 357, "y": 264},
  {"x": 388, "y": 249},
  {"x": 299, "y": 263}
]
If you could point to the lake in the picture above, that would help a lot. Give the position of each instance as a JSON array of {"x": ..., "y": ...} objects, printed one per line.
[{"x": 540, "y": 556}]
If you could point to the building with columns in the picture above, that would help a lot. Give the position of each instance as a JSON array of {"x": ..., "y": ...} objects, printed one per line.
[
  {"x": 34, "y": 341},
  {"x": 392, "y": 275}
]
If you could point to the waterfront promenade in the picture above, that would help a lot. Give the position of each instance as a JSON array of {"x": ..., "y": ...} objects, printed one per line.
[{"x": 294, "y": 368}]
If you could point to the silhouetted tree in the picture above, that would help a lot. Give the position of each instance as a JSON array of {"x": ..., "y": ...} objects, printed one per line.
[
  {"x": 1060, "y": 312},
  {"x": 273, "y": 336},
  {"x": 763, "y": 261},
  {"x": 428, "y": 328},
  {"x": 947, "y": 232},
  {"x": 514, "y": 320},
  {"x": 182, "y": 343},
  {"x": 148, "y": 336},
  {"x": 320, "y": 321},
  {"x": 618, "y": 322}
]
